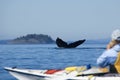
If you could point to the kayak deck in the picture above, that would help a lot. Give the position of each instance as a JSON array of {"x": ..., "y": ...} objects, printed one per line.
[{"x": 30, "y": 74}]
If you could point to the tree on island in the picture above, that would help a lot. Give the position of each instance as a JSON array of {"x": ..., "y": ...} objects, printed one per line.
[{"x": 33, "y": 39}]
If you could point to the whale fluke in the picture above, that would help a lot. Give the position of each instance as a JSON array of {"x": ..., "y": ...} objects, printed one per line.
[{"x": 62, "y": 44}]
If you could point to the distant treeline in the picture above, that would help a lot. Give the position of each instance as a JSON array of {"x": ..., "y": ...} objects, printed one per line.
[{"x": 32, "y": 39}]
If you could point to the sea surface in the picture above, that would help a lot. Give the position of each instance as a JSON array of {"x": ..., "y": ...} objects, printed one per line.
[{"x": 47, "y": 56}]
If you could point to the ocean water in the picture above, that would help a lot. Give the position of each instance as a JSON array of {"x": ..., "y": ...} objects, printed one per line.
[{"x": 47, "y": 56}]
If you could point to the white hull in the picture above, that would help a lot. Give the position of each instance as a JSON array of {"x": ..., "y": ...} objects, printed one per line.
[
  {"x": 25, "y": 77},
  {"x": 27, "y": 74}
]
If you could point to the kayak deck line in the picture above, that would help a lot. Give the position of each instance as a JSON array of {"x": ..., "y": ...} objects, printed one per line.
[{"x": 31, "y": 74}]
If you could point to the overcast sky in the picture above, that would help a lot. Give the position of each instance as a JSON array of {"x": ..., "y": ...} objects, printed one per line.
[{"x": 68, "y": 19}]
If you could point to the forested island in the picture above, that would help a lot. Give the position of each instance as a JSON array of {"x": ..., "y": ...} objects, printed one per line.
[{"x": 32, "y": 39}]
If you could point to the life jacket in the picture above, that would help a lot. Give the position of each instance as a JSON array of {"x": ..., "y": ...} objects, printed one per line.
[
  {"x": 116, "y": 67},
  {"x": 117, "y": 63}
]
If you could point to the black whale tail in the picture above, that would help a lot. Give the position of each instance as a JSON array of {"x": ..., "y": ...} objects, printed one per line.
[{"x": 63, "y": 44}]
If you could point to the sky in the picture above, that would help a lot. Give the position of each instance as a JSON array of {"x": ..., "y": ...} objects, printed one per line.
[{"x": 67, "y": 19}]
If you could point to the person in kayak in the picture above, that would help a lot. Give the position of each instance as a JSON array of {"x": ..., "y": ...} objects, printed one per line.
[{"x": 109, "y": 56}]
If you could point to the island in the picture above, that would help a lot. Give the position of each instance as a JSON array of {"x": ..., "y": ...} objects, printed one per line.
[{"x": 32, "y": 39}]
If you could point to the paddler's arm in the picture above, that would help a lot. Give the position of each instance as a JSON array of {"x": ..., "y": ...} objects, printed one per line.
[{"x": 111, "y": 44}]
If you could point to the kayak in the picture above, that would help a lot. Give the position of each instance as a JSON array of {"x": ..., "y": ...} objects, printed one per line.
[{"x": 69, "y": 73}]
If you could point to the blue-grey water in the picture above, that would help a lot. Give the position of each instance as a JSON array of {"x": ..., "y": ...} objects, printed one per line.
[{"x": 47, "y": 56}]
